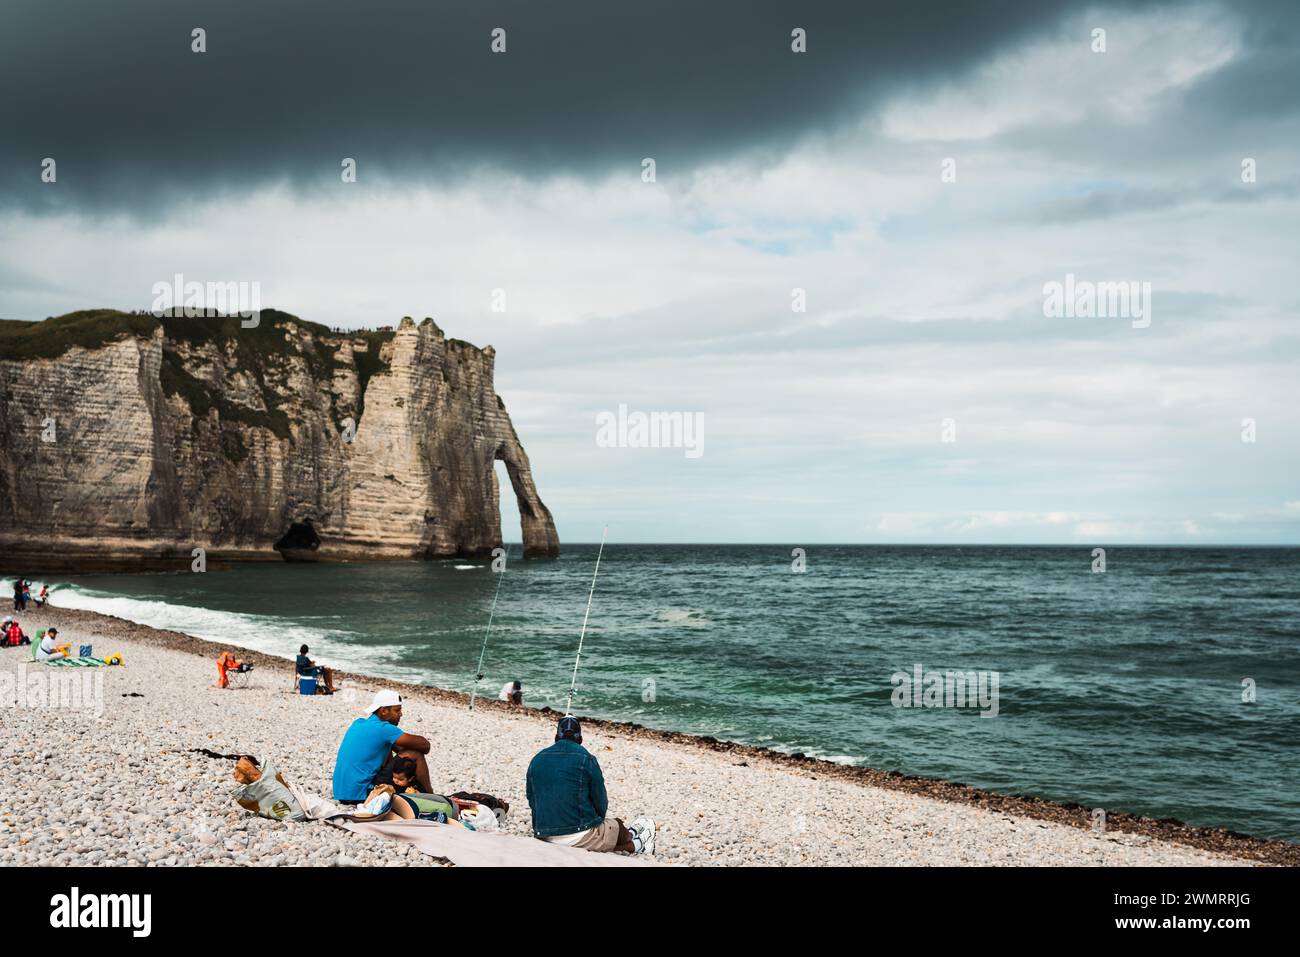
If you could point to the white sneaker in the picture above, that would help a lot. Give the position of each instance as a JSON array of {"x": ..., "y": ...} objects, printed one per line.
[{"x": 643, "y": 836}]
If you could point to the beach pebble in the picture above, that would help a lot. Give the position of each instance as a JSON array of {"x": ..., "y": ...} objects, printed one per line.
[{"x": 129, "y": 790}]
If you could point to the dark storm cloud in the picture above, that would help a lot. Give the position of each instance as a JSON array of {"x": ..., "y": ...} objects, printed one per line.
[
  {"x": 1263, "y": 84},
  {"x": 286, "y": 89}
]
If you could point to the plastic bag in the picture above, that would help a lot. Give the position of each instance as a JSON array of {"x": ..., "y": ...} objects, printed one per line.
[
  {"x": 480, "y": 818},
  {"x": 269, "y": 796}
]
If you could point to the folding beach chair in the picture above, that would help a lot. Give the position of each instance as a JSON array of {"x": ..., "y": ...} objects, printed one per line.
[{"x": 231, "y": 672}]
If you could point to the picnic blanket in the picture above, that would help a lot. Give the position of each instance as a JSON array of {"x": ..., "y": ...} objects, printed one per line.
[
  {"x": 462, "y": 847},
  {"x": 75, "y": 661},
  {"x": 71, "y": 661},
  {"x": 479, "y": 849}
]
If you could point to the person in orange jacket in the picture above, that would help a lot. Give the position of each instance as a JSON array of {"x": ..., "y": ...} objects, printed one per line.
[{"x": 226, "y": 661}]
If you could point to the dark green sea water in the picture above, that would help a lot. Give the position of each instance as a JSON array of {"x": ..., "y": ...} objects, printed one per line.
[{"x": 1120, "y": 690}]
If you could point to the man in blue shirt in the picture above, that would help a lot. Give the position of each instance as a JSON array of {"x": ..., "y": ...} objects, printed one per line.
[
  {"x": 370, "y": 745},
  {"x": 566, "y": 793}
]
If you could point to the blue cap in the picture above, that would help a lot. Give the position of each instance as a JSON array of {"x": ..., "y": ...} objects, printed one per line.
[{"x": 568, "y": 727}]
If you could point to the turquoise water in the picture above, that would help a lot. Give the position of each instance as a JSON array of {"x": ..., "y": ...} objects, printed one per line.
[{"x": 1120, "y": 690}]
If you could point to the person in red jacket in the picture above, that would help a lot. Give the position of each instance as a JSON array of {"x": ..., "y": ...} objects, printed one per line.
[{"x": 13, "y": 634}]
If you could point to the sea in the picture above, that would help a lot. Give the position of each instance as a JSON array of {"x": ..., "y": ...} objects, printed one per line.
[{"x": 1167, "y": 684}]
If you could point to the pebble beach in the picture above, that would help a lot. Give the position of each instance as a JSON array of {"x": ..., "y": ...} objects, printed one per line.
[{"x": 120, "y": 778}]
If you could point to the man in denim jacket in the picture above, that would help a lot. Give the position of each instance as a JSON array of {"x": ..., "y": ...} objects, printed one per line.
[{"x": 566, "y": 793}]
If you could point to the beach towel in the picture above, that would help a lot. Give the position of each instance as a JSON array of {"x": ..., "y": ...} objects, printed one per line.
[
  {"x": 74, "y": 662},
  {"x": 466, "y": 848},
  {"x": 462, "y": 847}
]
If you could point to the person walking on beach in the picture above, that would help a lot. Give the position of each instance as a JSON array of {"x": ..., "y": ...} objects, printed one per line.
[
  {"x": 369, "y": 748},
  {"x": 566, "y": 792}
]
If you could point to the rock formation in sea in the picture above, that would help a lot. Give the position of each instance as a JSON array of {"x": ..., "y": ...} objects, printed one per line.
[{"x": 131, "y": 437}]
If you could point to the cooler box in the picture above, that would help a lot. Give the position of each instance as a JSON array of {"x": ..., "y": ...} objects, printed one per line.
[{"x": 306, "y": 684}]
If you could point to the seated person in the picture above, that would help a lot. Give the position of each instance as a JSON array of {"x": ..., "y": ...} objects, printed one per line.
[
  {"x": 566, "y": 792},
  {"x": 402, "y": 774},
  {"x": 44, "y": 597},
  {"x": 513, "y": 692},
  {"x": 48, "y": 647},
  {"x": 309, "y": 669},
  {"x": 425, "y": 807},
  {"x": 371, "y": 745},
  {"x": 11, "y": 634}
]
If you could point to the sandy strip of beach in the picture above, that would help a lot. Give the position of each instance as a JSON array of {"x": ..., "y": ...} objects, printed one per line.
[{"x": 123, "y": 785}]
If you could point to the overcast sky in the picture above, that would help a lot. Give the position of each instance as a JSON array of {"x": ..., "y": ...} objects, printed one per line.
[{"x": 775, "y": 171}]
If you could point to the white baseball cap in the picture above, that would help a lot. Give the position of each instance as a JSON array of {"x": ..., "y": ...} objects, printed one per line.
[{"x": 384, "y": 699}]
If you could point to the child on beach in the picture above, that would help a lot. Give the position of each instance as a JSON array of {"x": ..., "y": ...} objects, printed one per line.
[{"x": 402, "y": 771}]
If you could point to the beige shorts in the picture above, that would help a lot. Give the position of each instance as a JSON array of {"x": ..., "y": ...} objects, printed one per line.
[{"x": 602, "y": 837}]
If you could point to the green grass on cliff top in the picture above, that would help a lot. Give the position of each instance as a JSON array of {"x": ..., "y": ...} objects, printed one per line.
[
  {"x": 92, "y": 328},
  {"x": 257, "y": 349},
  {"x": 89, "y": 328}
]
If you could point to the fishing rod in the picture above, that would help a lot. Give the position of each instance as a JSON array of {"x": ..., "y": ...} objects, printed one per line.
[
  {"x": 568, "y": 708},
  {"x": 478, "y": 672}
]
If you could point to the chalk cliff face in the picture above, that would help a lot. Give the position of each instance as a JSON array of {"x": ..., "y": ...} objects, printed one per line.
[{"x": 128, "y": 436}]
